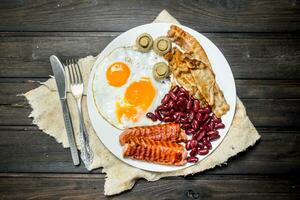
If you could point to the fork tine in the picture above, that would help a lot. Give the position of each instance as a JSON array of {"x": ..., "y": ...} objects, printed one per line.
[
  {"x": 75, "y": 71},
  {"x": 69, "y": 72},
  {"x": 72, "y": 70},
  {"x": 79, "y": 72}
]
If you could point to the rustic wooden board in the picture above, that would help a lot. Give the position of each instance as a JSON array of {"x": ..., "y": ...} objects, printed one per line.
[
  {"x": 52, "y": 186},
  {"x": 260, "y": 40},
  {"x": 251, "y": 56},
  {"x": 205, "y": 16},
  {"x": 275, "y": 153},
  {"x": 262, "y": 112}
]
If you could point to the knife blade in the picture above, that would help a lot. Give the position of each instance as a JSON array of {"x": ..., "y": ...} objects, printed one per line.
[{"x": 60, "y": 79}]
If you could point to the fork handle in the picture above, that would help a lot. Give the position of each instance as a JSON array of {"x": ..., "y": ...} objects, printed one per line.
[{"x": 86, "y": 153}]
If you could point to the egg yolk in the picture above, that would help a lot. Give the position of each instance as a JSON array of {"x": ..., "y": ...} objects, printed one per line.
[
  {"x": 137, "y": 99},
  {"x": 117, "y": 74}
]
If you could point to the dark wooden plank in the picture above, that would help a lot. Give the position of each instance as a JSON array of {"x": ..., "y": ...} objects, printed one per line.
[
  {"x": 25, "y": 149},
  {"x": 262, "y": 112},
  {"x": 273, "y": 113},
  {"x": 45, "y": 186},
  {"x": 268, "y": 89},
  {"x": 246, "y": 89},
  {"x": 43, "y": 153},
  {"x": 11, "y": 93},
  {"x": 251, "y": 56},
  {"x": 29, "y": 56},
  {"x": 208, "y": 16}
]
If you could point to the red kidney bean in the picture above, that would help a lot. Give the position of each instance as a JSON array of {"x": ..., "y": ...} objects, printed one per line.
[
  {"x": 192, "y": 159},
  {"x": 203, "y": 152},
  {"x": 207, "y": 143},
  {"x": 175, "y": 89},
  {"x": 181, "y": 106},
  {"x": 168, "y": 119},
  {"x": 185, "y": 102},
  {"x": 199, "y": 117},
  {"x": 195, "y": 135},
  {"x": 193, "y": 152},
  {"x": 214, "y": 137},
  {"x": 151, "y": 116},
  {"x": 205, "y": 127},
  {"x": 205, "y": 110},
  {"x": 162, "y": 107},
  {"x": 182, "y": 109},
  {"x": 212, "y": 132},
  {"x": 194, "y": 143},
  {"x": 200, "y": 145},
  {"x": 196, "y": 106},
  {"x": 175, "y": 107},
  {"x": 205, "y": 117},
  {"x": 157, "y": 114},
  {"x": 181, "y": 114},
  {"x": 195, "y": 124},
  {"x": 171, "y": 104},
  {"x": 219, "y": 125},
  {"x": 185, "y": 126},
  {"x": 188, "y": 145},
  {"x": 210, "y": 127},
  {"x": 207, "y": 121},
  {"x": 190, "y": 131},
  {"x": 191, "y": 117},
  {"x": 172, "y": 111},
  {"x": 189, "y": 105},
  {"x": 176, "y": 118},
  {"x": 184, "y": 120},
  {"x": 166, "y": 99},
  {"x": 173, "y": 96},
  {"x": 176, "y": 114},
  {"x": 201, "y": 135},
  {"x": 216, "y": 119},
  {"x": 182, "y": 94},
  {"x": 180, "y": 103},
  {"x": 164, "y": 113},
  {"x": 181, "y": 89},
  {"x": 180, "y": 98},
  {"x": 201, "y": 128},
  {"x": 212, "y": 124}
]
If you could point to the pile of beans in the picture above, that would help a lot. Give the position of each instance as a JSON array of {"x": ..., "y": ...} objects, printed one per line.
[{"x": 198, "y": 122}]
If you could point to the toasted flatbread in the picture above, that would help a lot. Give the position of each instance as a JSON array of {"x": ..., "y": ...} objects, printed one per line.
[
  {"x": 188, "y": 43},
  {"x": 198, "y": 79}
]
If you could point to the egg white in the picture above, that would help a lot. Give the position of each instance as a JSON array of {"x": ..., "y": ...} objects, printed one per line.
[{"x": 106, "y": 96}]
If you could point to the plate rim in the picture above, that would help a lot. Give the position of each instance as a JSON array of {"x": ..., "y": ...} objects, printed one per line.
[{"x": 90, "y": 96}]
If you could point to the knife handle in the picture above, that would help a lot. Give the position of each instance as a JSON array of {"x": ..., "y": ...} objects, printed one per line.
[{"x": 69, "y": 129}]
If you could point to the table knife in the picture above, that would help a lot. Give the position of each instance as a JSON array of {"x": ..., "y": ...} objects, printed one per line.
[{"x": 60, "y": 79}]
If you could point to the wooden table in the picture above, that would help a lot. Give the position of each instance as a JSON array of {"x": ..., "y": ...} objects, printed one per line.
[{"x": 261, "y": 41}]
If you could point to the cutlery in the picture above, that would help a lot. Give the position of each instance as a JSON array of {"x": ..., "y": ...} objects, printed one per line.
[
  {"x": 59, "y": 75},
  {"x": 76, "y": 86}
]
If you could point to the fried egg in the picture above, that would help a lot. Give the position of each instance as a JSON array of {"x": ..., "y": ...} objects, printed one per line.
[{"x": 124, "y": 88}]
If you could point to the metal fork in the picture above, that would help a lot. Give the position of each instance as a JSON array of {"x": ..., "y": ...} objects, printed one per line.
[{"x": 76, "y": 86}]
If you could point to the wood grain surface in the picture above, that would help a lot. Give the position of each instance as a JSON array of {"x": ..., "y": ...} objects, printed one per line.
[
  {"x": 118, "y": 15},
  {"x": 260, "y": 40},
  {"x": 90, "y": 186}
]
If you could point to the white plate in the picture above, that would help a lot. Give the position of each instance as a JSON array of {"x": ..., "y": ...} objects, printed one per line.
[{"x": 109, "y": 135}]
